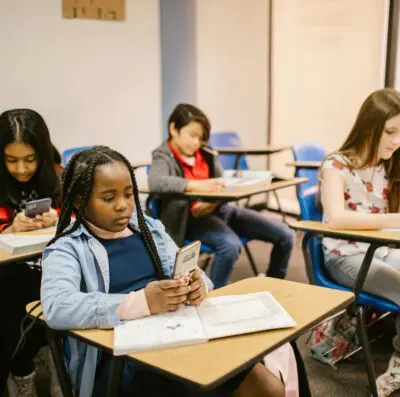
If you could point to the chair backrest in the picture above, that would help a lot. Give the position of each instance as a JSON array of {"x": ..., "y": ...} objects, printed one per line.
[
  {"x": 311, "y": 211},
  {"x": 308, "y": 152},
  {"x": 228, "y": 139},
  {"x": 68, "y": 153}
]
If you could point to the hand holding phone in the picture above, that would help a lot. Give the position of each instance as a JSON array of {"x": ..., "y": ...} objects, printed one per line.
[
  {"x": 22, "y": 223},
  {"x": 48, "y": 219},
  {"x": 186, "y": 261}
]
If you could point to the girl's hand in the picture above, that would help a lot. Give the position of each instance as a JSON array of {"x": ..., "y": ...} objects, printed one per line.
[
  {"x": 47, "y": 219},
  {"x": 165, "y": 295},
  {"x": 198, "y": 288},
  {"x": 22, "y": 223}
]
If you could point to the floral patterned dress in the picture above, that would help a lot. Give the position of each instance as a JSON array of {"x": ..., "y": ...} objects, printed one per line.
[{"x": 366, "y": 191}]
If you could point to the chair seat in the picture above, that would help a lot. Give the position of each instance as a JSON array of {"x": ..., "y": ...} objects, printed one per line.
[
  {"x": 206, "y": 249},
  {"x": 364, "y": 298}
]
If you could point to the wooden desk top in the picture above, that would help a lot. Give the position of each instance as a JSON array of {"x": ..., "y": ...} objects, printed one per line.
[
  {"x": 211, "y": 363},
  {"x": 385, "y": 236},
  {"x": 234, "y": 194},
  {"x": 140, "y": 164},
  {"x": 253, "y": 151},
  {"x": 304, "y": 164}
]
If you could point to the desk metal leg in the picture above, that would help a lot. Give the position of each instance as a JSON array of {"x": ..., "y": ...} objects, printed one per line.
[
  {"x": 362, "y": 331},
  {"x": 114, "y": 381},
  {"x": 56, "y": 349},
  {"x": 236, "y": 163},
  {"x": 251, "y": 259}
]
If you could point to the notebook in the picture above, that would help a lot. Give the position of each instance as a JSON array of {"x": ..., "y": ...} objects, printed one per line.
[
  {"x": 215, "y": 318},
  {"x": 236, "y": 179},
  {"x": 24, "y": 243}
]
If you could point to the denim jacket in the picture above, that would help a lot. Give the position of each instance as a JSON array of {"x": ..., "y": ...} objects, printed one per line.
[{"x": 74, "y": 292}]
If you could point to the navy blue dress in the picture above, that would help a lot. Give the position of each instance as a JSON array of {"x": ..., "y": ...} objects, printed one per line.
[{"x": 131, "y": 269}]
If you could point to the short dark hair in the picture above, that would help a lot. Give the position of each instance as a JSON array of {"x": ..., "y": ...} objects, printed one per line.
[
  {"x": 29, "y": 127},
  {"x": 78, "y": 180},
  {"x": 184, "y": 113}
]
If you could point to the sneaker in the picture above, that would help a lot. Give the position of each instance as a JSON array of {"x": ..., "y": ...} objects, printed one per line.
[
  {"x": 389, "y": 382},
  {"x": 22, "y": 386}
]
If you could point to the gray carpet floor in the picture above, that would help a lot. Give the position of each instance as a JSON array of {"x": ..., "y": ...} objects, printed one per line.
[{"x": 348, "y": 380}]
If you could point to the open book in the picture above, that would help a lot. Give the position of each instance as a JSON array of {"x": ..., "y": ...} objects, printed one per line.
[
  {"x": 236, "y": 179},
  {"x": 24, "y": 243},
  {"x": 215, "y": 318}
]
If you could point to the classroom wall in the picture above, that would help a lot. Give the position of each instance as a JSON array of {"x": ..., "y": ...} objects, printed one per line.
[
  {"x": 95, "y": 82},
  {"x": 232, "y": 50},
  {"x": 327, "y": 57}
]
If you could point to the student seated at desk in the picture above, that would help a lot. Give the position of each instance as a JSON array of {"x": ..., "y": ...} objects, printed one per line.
[
  {"x": 360, "y": 188},
  {"x": 183, "y": 164},
  {"x": 114, "y": 264},
  {"x": 29, "y": 170}
]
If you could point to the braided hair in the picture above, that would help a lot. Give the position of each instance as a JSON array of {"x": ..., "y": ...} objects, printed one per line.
[{"x": 78, "y": 179}]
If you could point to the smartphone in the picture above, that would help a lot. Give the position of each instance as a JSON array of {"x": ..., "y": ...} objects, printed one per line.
[
  {"x": 186, "y": 259},
  {"x": 37, "y": 207}
]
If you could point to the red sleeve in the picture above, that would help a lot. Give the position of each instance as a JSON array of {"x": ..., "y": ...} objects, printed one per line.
[{"x": 6, "y": 215}]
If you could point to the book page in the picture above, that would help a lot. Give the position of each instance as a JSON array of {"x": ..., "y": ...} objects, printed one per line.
[
  {"x": 236, "y": 179},
  {"x": 241, "y": 314},
  {"x": 182, "y": 327}
]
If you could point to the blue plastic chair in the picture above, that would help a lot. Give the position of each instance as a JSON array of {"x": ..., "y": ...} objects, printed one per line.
[
  {"x": 228, "y": 139},
  {"x": 317, "y": 274},
  {"x": 68, "y": 153},
  {"x": 307, "y": 152}
]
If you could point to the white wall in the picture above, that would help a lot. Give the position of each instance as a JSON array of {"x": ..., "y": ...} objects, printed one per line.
[
  {"x": 232, "y": 51},
  {"x": 328, "y": 56},
  {"x": 95, "y": 82}
]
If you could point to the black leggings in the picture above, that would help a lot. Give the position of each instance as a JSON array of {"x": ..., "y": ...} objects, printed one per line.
[{"x": 19, "y": 285}]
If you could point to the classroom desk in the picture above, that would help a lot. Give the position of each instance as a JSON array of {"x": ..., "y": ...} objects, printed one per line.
[
  {"x": 208, "y": 365},
  {"x": 311, "y": 165},
  {"x": 238, "y": 152},
  {"x": 6, "y": 258},
  {"x": 141, "y": 164},
  {"x": 234, "y": 194},
  {"x": 376, "y": 239}
]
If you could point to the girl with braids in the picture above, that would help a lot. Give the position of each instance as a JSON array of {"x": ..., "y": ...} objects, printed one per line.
[
  {"x": 360, "y": 189},
  {"x": 29, "y": 170},
  {"x": 114, "y": 264}
]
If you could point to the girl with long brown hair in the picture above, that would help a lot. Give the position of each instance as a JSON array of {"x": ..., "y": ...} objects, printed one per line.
[{"x": 360, "y": 189}]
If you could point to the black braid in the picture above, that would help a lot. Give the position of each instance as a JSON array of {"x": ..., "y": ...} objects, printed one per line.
[
  {"x": 144, "y": 229},
  {"x": 74, "y": 180}
]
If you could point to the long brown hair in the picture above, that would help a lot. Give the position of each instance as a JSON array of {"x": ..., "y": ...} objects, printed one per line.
[{"x": 364, "y": 138}]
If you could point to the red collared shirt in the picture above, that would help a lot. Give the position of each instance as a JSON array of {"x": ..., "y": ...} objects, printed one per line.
[{"x": 197, "y": 171}]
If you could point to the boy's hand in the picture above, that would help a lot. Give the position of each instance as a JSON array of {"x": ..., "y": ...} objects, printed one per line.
[
  {"x": 205, "y": 185},
  {"x": 165, "y": 295},
  {"x": 198, "y": 288},
  {"x": 202, "y": 209}
]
